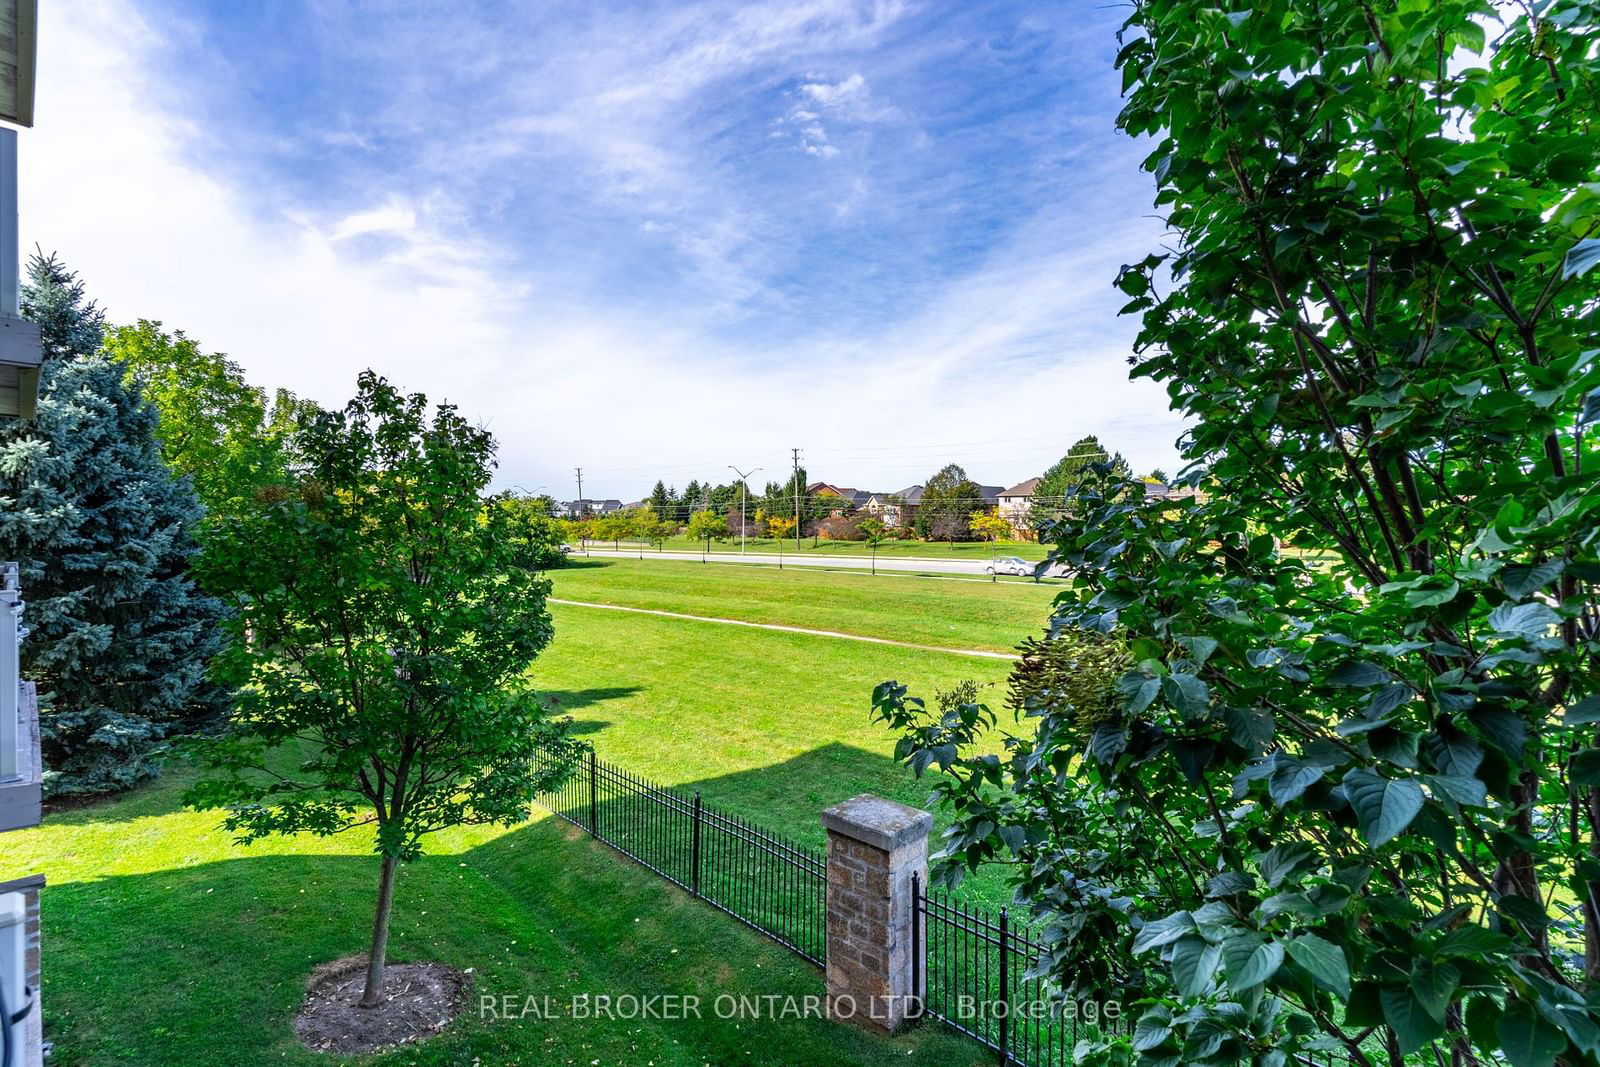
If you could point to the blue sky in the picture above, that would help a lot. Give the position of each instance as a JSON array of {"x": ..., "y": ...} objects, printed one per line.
[{"x": 650, "y": 238}]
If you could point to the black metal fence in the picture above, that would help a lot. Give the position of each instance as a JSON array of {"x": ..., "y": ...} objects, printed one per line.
[
  {"x": 772, "y": 884},
  {"x": 972, "y": 976}
]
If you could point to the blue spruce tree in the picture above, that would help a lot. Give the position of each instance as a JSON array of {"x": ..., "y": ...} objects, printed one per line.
[{"x": 104, "y": 534}]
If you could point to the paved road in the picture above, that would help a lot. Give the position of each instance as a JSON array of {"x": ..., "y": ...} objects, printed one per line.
[{"x": 805, "y": 559}]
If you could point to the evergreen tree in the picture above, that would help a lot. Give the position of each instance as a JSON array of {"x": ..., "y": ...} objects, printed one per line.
[
  {"x": 663, "y": 500},
  {"x": 104, "y": 535},
  {"x": 1050, "y": 495}
]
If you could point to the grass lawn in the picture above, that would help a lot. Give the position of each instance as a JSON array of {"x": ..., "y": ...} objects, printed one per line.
[
  {"x": 912, "y": 548},
  {"x": 931, "y": 611},
  {"x": 164, "y": 943}
]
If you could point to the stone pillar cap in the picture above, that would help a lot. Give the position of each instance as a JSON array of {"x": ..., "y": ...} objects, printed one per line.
[{"x": 874, "y": 821}]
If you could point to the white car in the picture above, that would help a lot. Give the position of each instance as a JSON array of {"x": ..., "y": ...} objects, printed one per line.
[{"x": 1009, "y": 565}]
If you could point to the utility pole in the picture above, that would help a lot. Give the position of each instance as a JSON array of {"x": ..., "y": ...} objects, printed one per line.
[
  {"x": 796, "y": 452},
  {"x": 578, "y": 511},
  {"x": 743, "y": 477}
]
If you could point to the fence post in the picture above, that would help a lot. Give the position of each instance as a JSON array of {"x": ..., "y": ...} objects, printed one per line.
[
  {"x": 1005, "y": 988},
  {"x": 919, "y": 949},
  {"x": 594, "y": 798},
  {"x": 877, "y": 857},
  {"x": 694, "y": 854}
]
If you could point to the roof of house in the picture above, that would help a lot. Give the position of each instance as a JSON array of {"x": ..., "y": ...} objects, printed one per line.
[
  {"x": 1023, "y": 488},
  {"x": 990, "y": 493},
  {"x": 854, "y": 496},
  {"x": 911, "y": 495}
]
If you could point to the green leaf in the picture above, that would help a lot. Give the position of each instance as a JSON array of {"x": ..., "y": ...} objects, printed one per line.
[
  {"x": 1250, "y": 730},
  {"x": 1194, "y": 965},
  {"x": 1526, "y": 1039},
  {"x": 1357, "y": 674},
  {"x": 1585, "y": 767},
  {"x": 1580, "y": 257},
  {"x": 1532, "y": 619},
  {"x": 1434, "y": 984},
  {"x": 1290, "y": 778},
  {"x": 1162, "y": 931},
  {"x": 1154, "y": 1027},
  {"x": 1432, "y": 596},
  {"x": 1413, "y": 1025},
  {"x": 1520, "y": 579},
  {"x": 1583, "y": 712},
  {"x": 1283, "y": 860},
  {"x": 1591, "y": 408},
  {"x": 1324, "y": 961},
  {"x": 1388, "y": 699},
  {"x": 1107, "y": 742},
  {"x": 1250, "y": 963},
  {"x": 1462, "y": 789},
  {"x": 1383, "y": 807},
  {"x": 1188, "y": 693}
]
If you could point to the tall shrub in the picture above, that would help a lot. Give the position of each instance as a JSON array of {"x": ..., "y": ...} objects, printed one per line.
[
  {"x": 1347, "y": 794},
  {"x": 387, "y": 614},
  {"x": 104, "y": 532}
]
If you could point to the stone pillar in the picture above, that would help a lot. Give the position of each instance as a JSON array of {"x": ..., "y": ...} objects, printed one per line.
[{"x": 874, "y": 847}]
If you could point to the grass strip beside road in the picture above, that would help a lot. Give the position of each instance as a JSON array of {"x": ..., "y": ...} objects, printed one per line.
[
  {"x": 983, "y": 616},
  {"x": 913, "y": 549},
  {"x": 786, "y": 629}
]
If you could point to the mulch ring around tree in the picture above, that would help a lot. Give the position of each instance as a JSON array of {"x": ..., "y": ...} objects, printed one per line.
[{"x": 422, "y": 1000}]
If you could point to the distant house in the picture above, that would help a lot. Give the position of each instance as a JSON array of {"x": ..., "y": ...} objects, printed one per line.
[
  {"x": 895, "y": 509},
  {"x": 849, "y": 499},
  {"x": 1154, "y": 490},
  {"x": 1015, "y": 504},
  {"x": 577, "y": 509},
  {"x": 990, "y": 494}
]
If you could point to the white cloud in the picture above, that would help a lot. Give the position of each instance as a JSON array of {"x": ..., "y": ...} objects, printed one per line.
[
  {"x": 393, "y": 217},
  {"x": 837, "y": 94},
  {"x": 116, "y": 178}
]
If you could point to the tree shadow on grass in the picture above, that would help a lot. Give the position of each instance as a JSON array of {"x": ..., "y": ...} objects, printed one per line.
[
  {"x": 207, "y": 964},
  {"x": 569, "y": 700},
  {"x": 576, "y": 563}
]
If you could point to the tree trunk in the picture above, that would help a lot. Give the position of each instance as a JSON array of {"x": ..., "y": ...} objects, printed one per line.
[{"x": 372, "y": 996}]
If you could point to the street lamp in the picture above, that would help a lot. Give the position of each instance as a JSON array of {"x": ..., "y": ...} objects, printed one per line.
[{"x": 742, "y": 478}]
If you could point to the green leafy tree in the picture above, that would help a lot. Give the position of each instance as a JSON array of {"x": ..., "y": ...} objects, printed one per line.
[
  {"x": 1057, "y": 484},
  {"x": 613, "y": 528},
  {"x": 988, "y": 525},
  {"x": 705, "y": 527},
  {"x": 948, "y": 500},
  {"x": 104, "y": 534},
  {"x": 224, "y": 433},
  {"x": 725, "y": 498},
  {"x": 390, "y": 627},
  {"x": 533, "y": 529},
  {"x": 780, "y": 498},
  {"x": 1350, "y": 804},
  {"x": 875, "y": 533}
]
